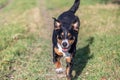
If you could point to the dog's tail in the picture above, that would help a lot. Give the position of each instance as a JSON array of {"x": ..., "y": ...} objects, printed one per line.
[{"x": 75, "y": 6}]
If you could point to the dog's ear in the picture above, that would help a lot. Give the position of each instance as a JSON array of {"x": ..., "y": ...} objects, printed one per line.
[
  {"x": 57, "y": 24},
  {"x": 75, "y": 25}
]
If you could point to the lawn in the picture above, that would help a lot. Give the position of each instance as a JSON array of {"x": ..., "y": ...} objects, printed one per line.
[
  {"x": 2, "y": 2},
  {"x": 25, "y": 40}
]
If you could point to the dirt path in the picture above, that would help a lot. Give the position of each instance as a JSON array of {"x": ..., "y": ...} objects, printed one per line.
[
  {"x": 47, "y": 19},
  {"x": 48, "y": 27}
]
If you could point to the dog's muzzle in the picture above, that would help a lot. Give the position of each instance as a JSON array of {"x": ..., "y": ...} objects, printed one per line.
[{"x": 65, "y": 45}]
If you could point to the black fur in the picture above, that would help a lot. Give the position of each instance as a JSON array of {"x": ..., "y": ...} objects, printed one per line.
[{"x": 64, "y": 23}]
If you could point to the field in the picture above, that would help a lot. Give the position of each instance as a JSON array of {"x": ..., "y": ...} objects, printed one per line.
[{"x": 25, "y": 40}]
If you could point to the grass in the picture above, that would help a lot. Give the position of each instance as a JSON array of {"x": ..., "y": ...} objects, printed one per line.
[
  {"x": 25, "y": 46},
  {"x": 61, "y": 4},
  {"x": 21, "y": 6},
  {"x": 14, "y": 35},
  {"x": 100, "y": 61},
  {"x": 65, "y": 3},
  {"x": 2, "y": 2}
]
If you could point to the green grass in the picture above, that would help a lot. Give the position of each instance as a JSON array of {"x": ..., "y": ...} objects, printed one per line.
[
  {"x": 62, "y": 4},
  {"x": 20, "y": 6},
  {"x": 93, "y": 2},
  {"x": 25, "y": 46},
  {"x": 100, "y": 23},
  {"x": 2, "y": 2},
  {"x": 98, "y": 59},
  {"x": 14, "y": 37}
]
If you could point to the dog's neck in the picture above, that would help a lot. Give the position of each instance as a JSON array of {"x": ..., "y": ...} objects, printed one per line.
[{"x": 65, "y": 54}]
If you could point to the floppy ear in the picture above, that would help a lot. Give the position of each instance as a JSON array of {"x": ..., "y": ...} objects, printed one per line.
[
  {"x": 57, "y": 24},
  {"x": 75, "y": 25}
]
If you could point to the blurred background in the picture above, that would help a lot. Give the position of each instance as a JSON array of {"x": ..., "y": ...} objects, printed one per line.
[{"x": 25, "y": 39}]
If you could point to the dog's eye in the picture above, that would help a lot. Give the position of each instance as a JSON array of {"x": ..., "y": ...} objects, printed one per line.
[{"x": 59, "y": 37}]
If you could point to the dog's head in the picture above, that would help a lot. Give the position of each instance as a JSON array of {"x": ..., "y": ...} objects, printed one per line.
[{"x": 66, "y": 33}]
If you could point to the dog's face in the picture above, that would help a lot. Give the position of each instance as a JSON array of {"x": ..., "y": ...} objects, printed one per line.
[{"x": 65, "y": 37}]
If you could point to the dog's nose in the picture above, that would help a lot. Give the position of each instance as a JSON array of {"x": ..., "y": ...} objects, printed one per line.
[{"x": 64, "y": 44}]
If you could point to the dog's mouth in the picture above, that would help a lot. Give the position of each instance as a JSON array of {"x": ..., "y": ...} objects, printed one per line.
[{"x": 65, "y": 49}]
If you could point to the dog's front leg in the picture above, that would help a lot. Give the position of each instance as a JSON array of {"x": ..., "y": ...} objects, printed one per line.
[
  {"x": 69, "y": 68},
  {"x": 56, "y": 59}
]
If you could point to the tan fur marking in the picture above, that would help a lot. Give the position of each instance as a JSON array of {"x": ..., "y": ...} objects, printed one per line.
[
  {"x": 67, "y": 70},
  {"x": 59, "y": 40},
  {"x": 68, "y": 59},
  {"x": 57, "y": 52},
  {"x": 69, "y": 34},
  {"x": 62, "y": 33},
  {"x": 70, "y": 41},
  {"x": 58, "y": 64}
]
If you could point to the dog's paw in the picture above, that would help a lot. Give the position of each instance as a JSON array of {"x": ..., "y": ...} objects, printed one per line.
[{"x": 59, "y": 70}]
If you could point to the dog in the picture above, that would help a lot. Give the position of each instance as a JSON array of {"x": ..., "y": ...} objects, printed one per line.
[{"x": 64, "y": 38}]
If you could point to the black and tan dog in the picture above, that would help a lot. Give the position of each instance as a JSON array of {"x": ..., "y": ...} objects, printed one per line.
[{"x": 65, "y": 34}]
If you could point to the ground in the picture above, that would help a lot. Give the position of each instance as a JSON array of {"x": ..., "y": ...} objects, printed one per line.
[{"x": 25, "y": 40}]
